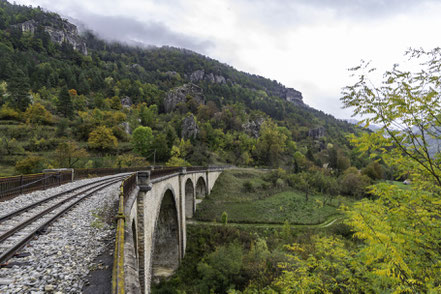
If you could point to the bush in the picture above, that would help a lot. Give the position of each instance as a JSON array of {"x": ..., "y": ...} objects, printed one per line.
[
  {"x": 30, "y": 165},
  {"x": 102, "y": 139},
  {"x": 248, "y": 186},
  {"x": 224, "y": 218},
  {"x": 353, "y": 183},
  {"x": 373, "y": 170},
  {"x": 37, "y": 114},
  {"x": 280, "y": 183},
  {"x": 7, "y": 112}
]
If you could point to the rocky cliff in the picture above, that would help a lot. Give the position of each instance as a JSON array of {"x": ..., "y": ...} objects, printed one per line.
[
  {"x": 289, "y": 94},
  {"x": 181, "y": 95},
  {"x": 59, "y": 32}
]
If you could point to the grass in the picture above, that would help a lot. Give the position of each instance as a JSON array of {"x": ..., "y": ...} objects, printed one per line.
[
  {"x": 400, "y": 185},
  {"x": 263, "y": 203},
  {"x": 7, "y": 170}
]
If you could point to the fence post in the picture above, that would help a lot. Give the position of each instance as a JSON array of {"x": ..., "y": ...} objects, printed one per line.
[{"x": 21, "y": 184}]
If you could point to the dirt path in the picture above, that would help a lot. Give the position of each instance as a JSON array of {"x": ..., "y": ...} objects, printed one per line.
[{"x": 327, "y": 223}]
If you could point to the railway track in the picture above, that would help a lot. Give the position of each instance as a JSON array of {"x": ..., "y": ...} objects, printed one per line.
[{"x": 18, "y": 227}]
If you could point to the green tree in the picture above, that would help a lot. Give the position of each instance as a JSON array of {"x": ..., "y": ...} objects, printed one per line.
[
  {"x": 64, "y": 103},
  {"x": 102, "y": 139},
  {"x": 19, "y": 88},
  {"x": 271, "y": 144},
  {"x": 142, "y": 141},
  {"x": 220, "y": 269},
  {"x": 10, "y": 146},
  {"x": 37, "y": 114},
  {"x": 68, "y": 153},
  {"x": 353, "y": 183},
  {"x": 7, "y": 112},
  {"x": 373, "y": 170},
  {"x": 30, "y": 165}
]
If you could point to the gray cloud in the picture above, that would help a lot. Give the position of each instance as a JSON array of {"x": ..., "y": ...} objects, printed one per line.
[
  {"x": 125, "y": 29},
  {"x": 285, "y": 13},
  {"x": 131, "y": 31}
]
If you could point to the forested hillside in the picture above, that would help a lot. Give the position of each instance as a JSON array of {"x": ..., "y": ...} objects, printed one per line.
[{"x": 74, "y": 100}]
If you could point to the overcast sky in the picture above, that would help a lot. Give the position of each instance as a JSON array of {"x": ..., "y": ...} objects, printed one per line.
[{"x": 304, "y": 44}]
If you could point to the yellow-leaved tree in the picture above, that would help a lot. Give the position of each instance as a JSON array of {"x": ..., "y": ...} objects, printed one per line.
[
  {"x": 401, "y": 228},
  {"x": 398, "y": 230}
]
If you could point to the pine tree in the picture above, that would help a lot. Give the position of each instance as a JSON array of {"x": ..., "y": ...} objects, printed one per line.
[
  {"x": 64, "y": 104},
  {"x": 19, "y": 87}
]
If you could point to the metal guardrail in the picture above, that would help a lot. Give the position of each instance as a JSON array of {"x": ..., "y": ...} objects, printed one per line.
[
  {"x": 16, "y": 185},
  {"x": 82, "y": 173},
  {"x": 126, "y": 188}
]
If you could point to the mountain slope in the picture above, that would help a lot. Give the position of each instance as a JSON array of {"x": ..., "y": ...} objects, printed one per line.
[{"x": 54, "y": 80}]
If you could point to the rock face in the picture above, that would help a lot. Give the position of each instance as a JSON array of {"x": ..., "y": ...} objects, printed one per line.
[
  {"x": 63, "y": 31},
  {"x": 197, "y": 76},
  {"x": 172, "y": 74},
  {"x": 126, "y": 102},
  {"x": 293, "y": 96},
  {"x": 189, "y": 127},
  {"x": 252, "y": 127},
  {"x": 200, "y": 75},
  {"x": 180, "y": 94},
  {"x": 288, "y": 94},
  {"x": 126, "y": 127},
  {"x": 316, "y": 133}
]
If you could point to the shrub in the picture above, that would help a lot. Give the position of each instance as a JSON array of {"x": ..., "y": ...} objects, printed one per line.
[
  {"x": 248, "y": 186},
  {"x": 36, "y": 114},
  {"x": 353, "y": 183},
  {"x": 102, "y": 139},
  {"x": 31, "y": 164},
  {"x": 224, "y": 218},
  {"x": 7, "y": 112}
]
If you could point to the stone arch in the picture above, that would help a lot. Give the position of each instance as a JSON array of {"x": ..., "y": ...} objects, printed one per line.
[
  {"x": 189, "y": 198},
  {"x": 201, "y": 188},
  {"x": 165, "y": 257}
]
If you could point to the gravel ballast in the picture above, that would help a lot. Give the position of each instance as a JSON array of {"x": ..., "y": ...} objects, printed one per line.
[{"x": 59, "y": 260}]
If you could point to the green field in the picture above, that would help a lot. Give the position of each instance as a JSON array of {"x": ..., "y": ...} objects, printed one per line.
[{"x": 261, "y": 202}]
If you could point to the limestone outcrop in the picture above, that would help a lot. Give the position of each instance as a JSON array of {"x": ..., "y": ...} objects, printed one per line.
[
  {"x": 200, "y": 75},
  {"x": 181, "y": 95},
  {"x": 252, "y": 127},
  {"x": 59, "y": 32},
  {"x": 316, "y": 133},
  {"x": 190, "y": 128}
]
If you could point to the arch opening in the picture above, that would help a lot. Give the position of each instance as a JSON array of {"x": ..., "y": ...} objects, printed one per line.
[
  {"x": 135, "y": 239},
  {"x": 165, "y": 259},
  {"x": 201, "y": 188},
  {"x": 189, "y": 199}
]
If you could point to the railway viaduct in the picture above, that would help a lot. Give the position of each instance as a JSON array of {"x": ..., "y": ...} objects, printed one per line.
[{"x": 155, "y": 217}]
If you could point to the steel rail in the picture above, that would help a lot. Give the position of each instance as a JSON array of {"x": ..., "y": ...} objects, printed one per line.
[
  {"x": 21, "y": 225},
  {"x": 32, "y": 205},
  {"x": 6, "y": 255}
]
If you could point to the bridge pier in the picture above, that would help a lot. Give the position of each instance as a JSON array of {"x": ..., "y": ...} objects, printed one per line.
[
  {"x": 144, "y": 187},
  {"x": 156, "y": 224}
]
